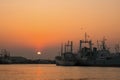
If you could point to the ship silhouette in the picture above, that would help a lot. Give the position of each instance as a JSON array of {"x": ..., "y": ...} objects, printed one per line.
[{"x": 90, "y": 56}]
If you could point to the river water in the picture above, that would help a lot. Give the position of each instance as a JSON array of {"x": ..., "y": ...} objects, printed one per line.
[{"x": 53, "y": 72}]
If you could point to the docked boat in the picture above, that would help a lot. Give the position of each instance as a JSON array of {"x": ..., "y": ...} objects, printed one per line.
[
  {"x": 92, "y": 56},
  {"x": 66, "y": 58},
  {"x": 5, "y": 57},
  {"x": 88, "y": 55}
]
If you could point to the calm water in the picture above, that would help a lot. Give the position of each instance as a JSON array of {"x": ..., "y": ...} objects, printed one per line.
[{"x": 53, "y": 72}]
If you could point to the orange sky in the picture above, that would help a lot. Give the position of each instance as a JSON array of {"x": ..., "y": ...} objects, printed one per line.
[{"x": 46, "y": 23}]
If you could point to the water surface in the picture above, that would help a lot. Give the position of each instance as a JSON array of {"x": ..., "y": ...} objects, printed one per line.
[{"x": 53, "y": 72}]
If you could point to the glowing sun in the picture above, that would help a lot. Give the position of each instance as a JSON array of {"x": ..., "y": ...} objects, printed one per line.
[{"x": 38, "y": 53}]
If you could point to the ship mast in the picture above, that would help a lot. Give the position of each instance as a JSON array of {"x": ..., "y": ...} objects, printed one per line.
[
  {"x": 98, "y": 46},
  {"x": 61, "y": 49},
  {"x": 85, "y": 41},
  {"x": 85, "y": 37},
  {"x": 117, "y": 48},
  {"x": 103, "y": 43},
  {"x": 68, "y": 47}
]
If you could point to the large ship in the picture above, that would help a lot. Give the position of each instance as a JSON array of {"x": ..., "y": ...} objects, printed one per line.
[{"x": 91, "y": 56}]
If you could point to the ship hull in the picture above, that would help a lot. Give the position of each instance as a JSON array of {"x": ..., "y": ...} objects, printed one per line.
[
  {"x": 114, "y": 62},
  {"x": 65, "y": 63}
]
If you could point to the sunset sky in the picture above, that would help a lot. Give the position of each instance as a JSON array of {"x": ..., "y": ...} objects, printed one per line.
[{"x": 28, "y": 26}]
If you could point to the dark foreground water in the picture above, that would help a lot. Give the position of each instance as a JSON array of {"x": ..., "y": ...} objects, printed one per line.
[{"x": 53, "y": 72}]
